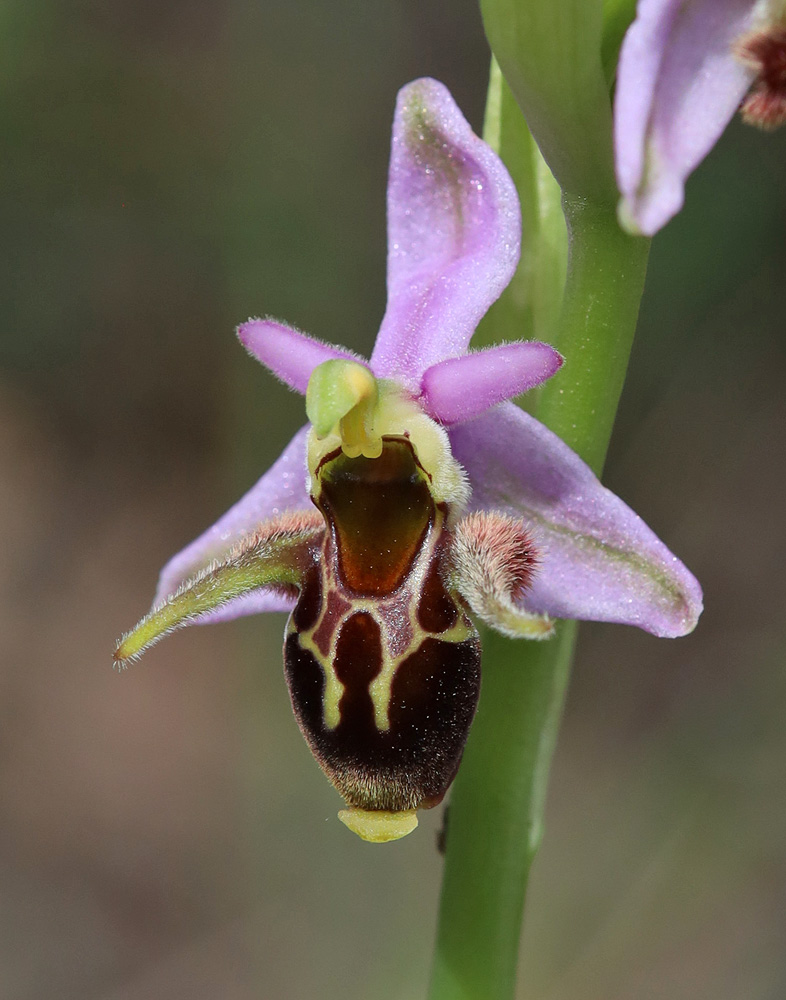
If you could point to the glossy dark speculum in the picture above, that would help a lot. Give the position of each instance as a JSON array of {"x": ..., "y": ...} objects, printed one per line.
[{"x": 382, "y": 662}]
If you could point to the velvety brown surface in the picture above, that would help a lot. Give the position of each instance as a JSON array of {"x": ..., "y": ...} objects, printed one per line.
[
  {"x": 380, "y": 510},
  {"x": 437, "y": 611},
  {"x": 433, "y": 698}
]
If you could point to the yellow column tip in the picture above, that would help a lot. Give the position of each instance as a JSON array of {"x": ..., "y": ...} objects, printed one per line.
[{"x": 379, "y": 827}]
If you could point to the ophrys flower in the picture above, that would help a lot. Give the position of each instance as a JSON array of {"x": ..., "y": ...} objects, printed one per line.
[{"x": 415, "y": 497}]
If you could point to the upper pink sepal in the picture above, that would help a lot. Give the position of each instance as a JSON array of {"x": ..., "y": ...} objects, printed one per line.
[
  {"x": 459, "y": 389},
  {"x": 454, "y": 229}
]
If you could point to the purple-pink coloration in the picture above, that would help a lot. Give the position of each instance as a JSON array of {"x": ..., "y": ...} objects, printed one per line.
[
  {"x": 454, "y": 243},
  {"x": 454, "y": 233},
  {"x": 679, "y": 83},
  {"x": 458, "y": 389},
  {"x": 593, "y": 549}
]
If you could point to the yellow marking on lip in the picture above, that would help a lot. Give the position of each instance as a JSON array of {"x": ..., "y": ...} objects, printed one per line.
[
  {"x": 379, "y": 689},
  {"x": 334, "y": 689}
]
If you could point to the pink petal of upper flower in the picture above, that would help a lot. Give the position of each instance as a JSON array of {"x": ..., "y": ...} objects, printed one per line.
[
  {"x": 461, "y": 388},
  {"x": 283, "y": 487},
  {"x": 454, "y": 230},
  {"x": 599, "y": 560},
  {"x": 288, "y": 353},
  {"x": 678, "y": 85}
]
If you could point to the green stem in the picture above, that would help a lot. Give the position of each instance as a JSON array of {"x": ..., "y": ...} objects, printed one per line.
[
  {"x": 530, "y": 306},
  {"x": 496, "y": 811},
  {"x": 495, "y": 817},
  {"x": 606, "y": 271}
]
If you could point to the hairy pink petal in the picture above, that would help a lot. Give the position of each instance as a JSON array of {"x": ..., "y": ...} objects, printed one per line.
[
  {"x": 678, "y": 85},
  {"x": 288, "y": 353},
  {"x": 282, "y": 488},
  {"x": 461, "y": 388},
  {"x": 454, "y": 229},
  {"x": 598, "y": 559}
]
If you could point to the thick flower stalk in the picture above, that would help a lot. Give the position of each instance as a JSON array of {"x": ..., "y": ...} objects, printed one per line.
[
  {"x": 685, "y": 66},
  {"x": 417, "y": 499}
]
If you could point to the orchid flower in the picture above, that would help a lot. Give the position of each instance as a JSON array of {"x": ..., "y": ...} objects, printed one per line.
[
  {"x": 684, "y": 68},
  {"x": 417, "y": 497}
]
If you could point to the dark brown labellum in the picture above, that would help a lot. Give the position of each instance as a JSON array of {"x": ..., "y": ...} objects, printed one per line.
[
  {"x": 382, "y": 663},
  {"x": 411, "y": 764}
]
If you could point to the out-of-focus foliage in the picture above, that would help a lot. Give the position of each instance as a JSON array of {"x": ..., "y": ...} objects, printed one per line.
[{"x": 167, "y": 171}]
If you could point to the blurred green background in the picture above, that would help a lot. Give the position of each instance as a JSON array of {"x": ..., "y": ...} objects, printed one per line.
[{"x": 167, "y": 171}]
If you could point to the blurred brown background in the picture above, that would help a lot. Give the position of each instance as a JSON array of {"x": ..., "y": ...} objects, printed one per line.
[{"x": 167, "y": 171}]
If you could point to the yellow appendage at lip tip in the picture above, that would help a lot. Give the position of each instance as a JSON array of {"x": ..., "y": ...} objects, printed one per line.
[
  {"x": 379, "y": 827},
  {"x": 342, "y": 398}
]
